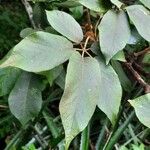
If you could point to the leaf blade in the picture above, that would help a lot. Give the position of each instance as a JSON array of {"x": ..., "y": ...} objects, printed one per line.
[
  {"x": 142, "y": 108},
  {"x": 25, "y": 100},
  {"x": 114, "y": 33},
  {"x": 117, "y": 3},
  {"x": 146, "y": 3},
  {"x": 141, "y": 19},
  {"x": 39, "y": 51},
  {"x": 80, "y": 95},
  {"x": 91, "y": 4},
  {"x": 65, "y": 24},
  {"x": 109, "y": 102},
  {"x": 8, "y": 77}
]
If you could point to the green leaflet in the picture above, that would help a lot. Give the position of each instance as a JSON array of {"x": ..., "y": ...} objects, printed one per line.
[
  {"x": 110, "y": 92},
  {"x": 146, "y": 3},
  {"x": 67, "y": 3},
  {"x": 96, "y": 5},
  {"x": 117, "y": 3},
  {"x": 91, "y": 4},
  {"x": 146, "y": 58},
  {"x": 140, "y": 17},
  {"x": 65, "y": 24},
  {"x": 114, "y": 33},
  {"x": 119, "y": 56},
  {"x": 142, "y": 108},
  {"x": 138, "y": 147},
  {"x": 80, "y": 96},
  {"x": 123, "y": 148},
  {"x": 27, "y": 31},
  {"x": 60, "y": 80},
  {"x": 52, "y": 74},
  {"x": 25, "y": 100},
  {"x": 77, "y": 12},
  {"x": 8, "y": 77},
  {"x": 39, "y": 51}
]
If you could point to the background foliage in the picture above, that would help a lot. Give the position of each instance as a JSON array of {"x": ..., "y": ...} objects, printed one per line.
[{"x": 30, "y": 105}]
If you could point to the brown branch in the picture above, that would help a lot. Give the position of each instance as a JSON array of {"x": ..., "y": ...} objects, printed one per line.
[
  {"x": 88, "y": 17},
  {"x": 131, "y": 59},
  {"x": 141, "y": 70},
  {"x": 145, "y": 64},
  {"x": 139, "y": 79},
  {"x": 29, "y": 11},
  {"x": 3, "y": 107},
  {"x": 142, "y": 52}
]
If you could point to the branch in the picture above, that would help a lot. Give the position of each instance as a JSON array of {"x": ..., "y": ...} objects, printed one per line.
[
  {"x": 139, "y": 79},
  {"x": 141, "y": 70},
  {"x": 142, "y": 52},
  {"x": 29, "y": 11}
]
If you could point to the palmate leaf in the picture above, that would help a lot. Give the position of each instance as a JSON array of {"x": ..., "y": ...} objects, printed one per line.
[
  {"x": 114, "y": 33},
  {"x": 39, "y": 51},
  {"x": 142, "y": 108},
  {"x": 140, "y": 17},
  {"x": 87, "y": 81},
  {"x": 80, "y": 96},
  {"x": 65, "y": 24},
  {"x": 25, "y": 99}
]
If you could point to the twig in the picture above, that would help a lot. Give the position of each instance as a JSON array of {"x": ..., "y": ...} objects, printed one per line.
[
  {"x": 139, "y": 79},
  {"x": 29, "y": 11},
  {"x": 3, "y": 107},
  {"x": 145, "y": 64},
  {"x": 142, "y": 52},
  {"x": 88, "y": 17},
  {"x": 86, "y": 42},
  {"x": 96, "y": 27},
  {"x": 85, "y": 45},
  {"x": 141, "y": 70}
]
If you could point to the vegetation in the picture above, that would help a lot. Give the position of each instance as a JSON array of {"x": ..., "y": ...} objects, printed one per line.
[{"x": 75, "y": 75}]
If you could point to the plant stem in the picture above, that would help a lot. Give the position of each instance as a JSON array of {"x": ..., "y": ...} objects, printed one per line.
[
  {"x": 51, "y": 125},
  {"x": 85, "y": 139},
  {"x": 138, "y": 78},
  {"x": 119, "y": 132},
  {"x": 99, "y": 143},
  {"x": 142, "y": 52},
  {"x": 15, "y": 139}
]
